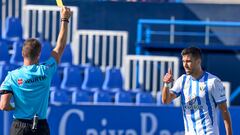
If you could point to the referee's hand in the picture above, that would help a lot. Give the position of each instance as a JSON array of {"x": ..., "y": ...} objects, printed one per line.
[
  {"x": 66, "y": 13},
  {"x": 168, "y": 77}
]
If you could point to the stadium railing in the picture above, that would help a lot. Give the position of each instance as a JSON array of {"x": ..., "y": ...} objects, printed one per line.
[
  {"x": 171, "y": 33},
  {"x": 45, "y": 23},
  {"x": 100, "y": 47},
  {"x": 10, "y": 8},
  {"x": 146, "y": 72}
]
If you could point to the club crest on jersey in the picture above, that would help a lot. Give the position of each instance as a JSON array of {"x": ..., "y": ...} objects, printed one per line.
[
  {"x": 20, "y": 81},
  {"x": 202, "y": 87}
]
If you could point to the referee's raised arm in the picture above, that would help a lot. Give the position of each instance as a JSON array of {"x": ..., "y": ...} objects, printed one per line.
[{"x": 62, "y": 36}]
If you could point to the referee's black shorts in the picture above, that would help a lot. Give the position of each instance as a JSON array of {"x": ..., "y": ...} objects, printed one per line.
[{"x": 24, "y": 127}]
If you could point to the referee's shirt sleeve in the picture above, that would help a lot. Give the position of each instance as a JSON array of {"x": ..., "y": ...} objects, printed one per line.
[
  {"x": 51, "y": 66},
  {"x": 6, "y": 85},
  {"x": 218, "y": 91}
]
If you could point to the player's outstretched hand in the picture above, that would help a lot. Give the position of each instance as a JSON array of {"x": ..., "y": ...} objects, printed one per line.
[{"x": 168, "y": 78}]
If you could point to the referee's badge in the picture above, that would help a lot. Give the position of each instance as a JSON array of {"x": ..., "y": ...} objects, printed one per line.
[{"x": 20, "y": 81}]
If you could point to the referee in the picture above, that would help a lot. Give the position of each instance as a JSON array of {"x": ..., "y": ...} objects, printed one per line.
[{"x": 29, "y": 85}]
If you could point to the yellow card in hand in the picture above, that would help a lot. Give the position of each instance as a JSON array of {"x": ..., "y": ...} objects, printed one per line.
[{"x": 59, "y": 3}]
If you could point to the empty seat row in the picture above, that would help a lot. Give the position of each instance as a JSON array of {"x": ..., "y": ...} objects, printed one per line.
[
  {"x": 91, "y": 90},
  {"x": 13, "y": 35},
  {"x": 103, "y": 97},
  {"x": 13, "y": 54},
  {"x": 80, "y": 78},
  {"x": 4, "y": 70},
  {"x": 89, "y": 78},
  {"x": 4, "y": 55}
]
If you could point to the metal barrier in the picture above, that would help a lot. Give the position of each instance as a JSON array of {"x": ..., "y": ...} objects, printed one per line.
[
  {"x": 45, "y": 22},
  {"x": 103, "y": 48},
  {"x": 147, "y": 72},
  {"x": 169, "y": 31},
  {"x": 100, "y": 47},
  {"x": 11, "y": 8}
]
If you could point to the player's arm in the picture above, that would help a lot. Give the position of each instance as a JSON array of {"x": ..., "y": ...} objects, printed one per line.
[
  {"x": 167, "y": 96},
  {"x": 62, "y": 37},
  {"x": 218, "y": 93},
  {"x": 226, "y": 118},
  {"x": 5, "y": 102}
]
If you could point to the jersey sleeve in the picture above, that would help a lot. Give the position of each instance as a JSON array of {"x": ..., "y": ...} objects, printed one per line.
[
  {"x": 177, "y": 87},
  {"x": 6, "y": 85},
  {"x": 51, "y": 66},
  {"x": 218, "y": 91}
]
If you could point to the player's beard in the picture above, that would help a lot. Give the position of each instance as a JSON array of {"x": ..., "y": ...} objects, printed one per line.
[{"x": 189, "y": 71}]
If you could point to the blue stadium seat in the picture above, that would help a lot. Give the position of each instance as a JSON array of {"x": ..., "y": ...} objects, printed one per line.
[
  {"x": 66, "y": 59},
  {"x": 135, "y": 91},
  {"x": 72, "y": 78},
  {"x": 16, "y": 57},
  {"x": 4, "y": 71},
  {"x": 93, "y": 79},
  {"x": 79, "y": 97},
  {"x": 113, "y": 79},
  {"x": 123, "y": 97},
  {"x": 4, "y": 55},
  {"x": 144, "y": 98},
  {"x": 56, "y": 81},
  {"x": 102, "y": 97},
  {"x": 59, "y": 97},
  {"x": 159, "y": 100},
  {"x": 14, "y": 30},
  {"x": 46, "y": 50}
]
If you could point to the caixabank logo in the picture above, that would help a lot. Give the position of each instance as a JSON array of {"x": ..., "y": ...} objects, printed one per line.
[{"x": 142, "y": 123}]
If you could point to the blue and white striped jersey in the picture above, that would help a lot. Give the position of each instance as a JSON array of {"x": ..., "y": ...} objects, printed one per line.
[{"x": 199, "y": 99}]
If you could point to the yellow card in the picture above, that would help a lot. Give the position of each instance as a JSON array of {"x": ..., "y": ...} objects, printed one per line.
[{"x": 59, "y": 3}]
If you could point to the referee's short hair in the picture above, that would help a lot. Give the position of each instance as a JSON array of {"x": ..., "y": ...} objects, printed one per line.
[
  {"x": 31, "y": 48},
  {"x": 194, "y": 51}
]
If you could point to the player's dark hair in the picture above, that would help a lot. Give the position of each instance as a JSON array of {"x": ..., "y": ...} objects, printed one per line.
[
  {"x": 31, "y": 48},
  {"x": 194, "y": 51}
]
